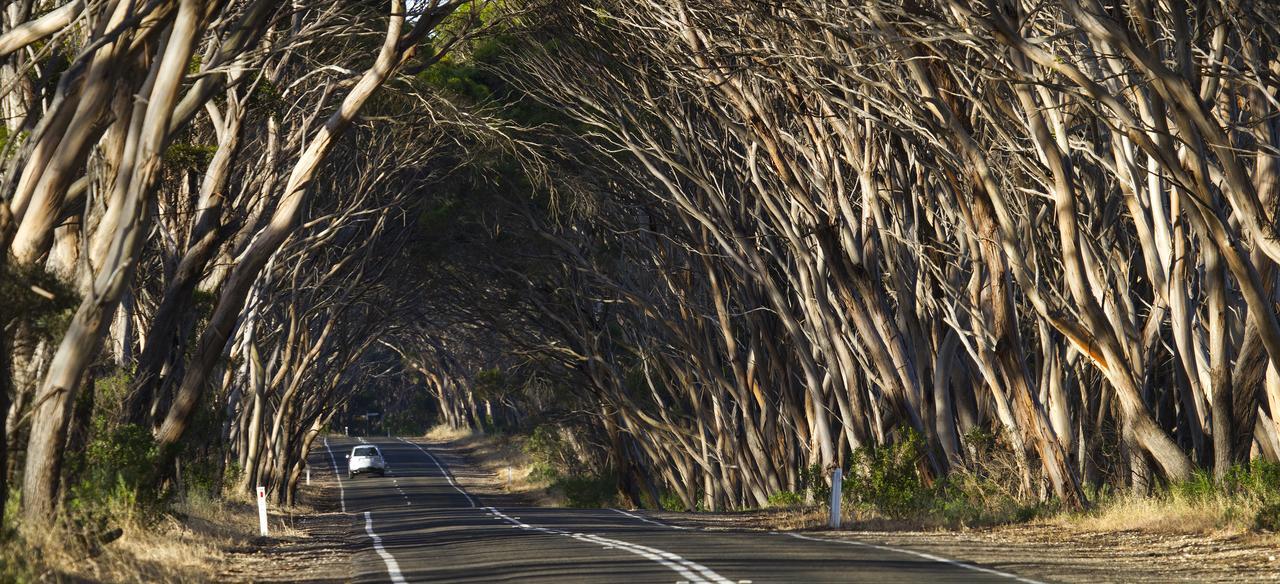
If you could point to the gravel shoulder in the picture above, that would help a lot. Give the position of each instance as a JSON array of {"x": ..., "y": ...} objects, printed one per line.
[
  {"x": 316, "y": 547},
  {"x": 1051, "y": 552}
]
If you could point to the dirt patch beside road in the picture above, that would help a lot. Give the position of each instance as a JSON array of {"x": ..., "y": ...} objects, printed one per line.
[
  {"x": 316, "y": 548},
  {"x": 1044, "y": 551}
]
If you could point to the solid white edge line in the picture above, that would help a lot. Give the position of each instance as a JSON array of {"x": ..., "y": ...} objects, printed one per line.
[
  {"x": 691, "y": 570},
  {"x": 446, "y": 475},
  {"x": 926, "y": 556},
  {"x": 393, "y": 567},
  {"x": 342, "y": 493}
]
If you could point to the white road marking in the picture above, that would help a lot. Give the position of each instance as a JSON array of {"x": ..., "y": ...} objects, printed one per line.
[
  {"x": 926, "y": 556},
  {"x": 393, "y": 568},
  {"x": 342, "y": 493},
  {"x": 447, "y": 476},
  {"x": 932, "y": 557},
  {"x": 647, "y": 520},
  {"x": 692, "y": 571}
]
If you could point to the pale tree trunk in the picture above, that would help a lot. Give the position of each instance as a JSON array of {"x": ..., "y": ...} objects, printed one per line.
[
  {"x": 283, "y": 221},
  {"x": 82, "y": 339}
]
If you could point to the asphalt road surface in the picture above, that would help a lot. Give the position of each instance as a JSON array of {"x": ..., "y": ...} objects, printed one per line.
[{"x": 418, "y": 525}]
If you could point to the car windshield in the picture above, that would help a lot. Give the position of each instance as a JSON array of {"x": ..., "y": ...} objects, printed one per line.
[{"x": 365, "y": 451}]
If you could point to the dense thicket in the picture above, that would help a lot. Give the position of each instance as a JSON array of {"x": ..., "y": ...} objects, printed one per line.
[
  {"x": 200, "y": 230},
  {"x": 790, "y": 231},
  {"x": 705, "y": 250}
]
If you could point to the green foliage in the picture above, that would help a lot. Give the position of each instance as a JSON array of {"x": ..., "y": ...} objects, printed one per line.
[
  {"x": 267, "y": 97},
  {"x": 458, "y": 79},
  {"x": 813, "y": 480},
  {"x": 671, "y": 502},
  {"x": 1268, "y": 518},
  {"x": 589, "y": 490},
  {"x": 545, "y": 448},
  {"x": 1242, "y": 489},
  {"x": 887, "y": 478},
  {"x": 1259, "y": 480},
  {"x": 887, "y": 482},
  {"x": 24, "y": 296},
  {"x": 112, "y": 476},
  {"x": 17, "y": 563},
  {"x": 786, "y": 499},
  {"x": 491, "y": 384},
  {"x": 195, "y": 157}
]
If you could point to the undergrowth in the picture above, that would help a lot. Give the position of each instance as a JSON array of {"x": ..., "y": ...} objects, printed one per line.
[
  {"x": 112, "y": 523},
  {"x": 887, "y": 484}
]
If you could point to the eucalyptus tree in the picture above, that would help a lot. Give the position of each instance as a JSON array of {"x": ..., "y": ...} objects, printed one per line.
[
  {"x": 108, "y": 108},
  {"x": 1053, "y": 219}
]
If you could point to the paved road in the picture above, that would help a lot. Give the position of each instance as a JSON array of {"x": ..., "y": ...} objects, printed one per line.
[{"x": 418, "y": 525}]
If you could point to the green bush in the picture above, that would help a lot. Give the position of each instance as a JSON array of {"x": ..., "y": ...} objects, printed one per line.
[
  {"x": 671, "y": 502},
  {"x": 589, "y": 491},
  {"x": 887, "y": 479},
  {"x": 813, "y": 480},
  {"x": 786, "y": 499},
  {"x": 1268, "y": 518},
  {"x": 116, "y": 466},
  {"x": 541, "y": 471}
]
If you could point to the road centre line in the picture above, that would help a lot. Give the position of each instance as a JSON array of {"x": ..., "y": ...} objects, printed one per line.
[
  {"x": 342, "y": 493},
  {"x": 393, "y": 567},
  {"x": 693, "y": 571},
  {"x": 447, "y": 476},
  {"x": 932, "y": 557}
]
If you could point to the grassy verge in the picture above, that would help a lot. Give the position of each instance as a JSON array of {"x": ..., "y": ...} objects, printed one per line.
[
  {"x": 883, "y": 492},
  {"x": 190, "y": 541},
  {"x": 508, "y": 459}
]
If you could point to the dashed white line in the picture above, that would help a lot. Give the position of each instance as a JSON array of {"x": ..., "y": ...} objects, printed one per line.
[
  {"x": 932, "y": 557},
  {"x": 393, "y": 568},
  {"x": 447, "y": 476},
  {"x": 647, "y": 520},
  {"x": 342, "y": 493},
  {"x": 693, "y": 571}
]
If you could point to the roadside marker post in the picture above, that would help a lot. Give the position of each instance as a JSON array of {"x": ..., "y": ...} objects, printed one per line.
[
  {"x": 837, "y": 479},
  {"x": 308, "y": 476},
  {"x": 262, "y": 511}
]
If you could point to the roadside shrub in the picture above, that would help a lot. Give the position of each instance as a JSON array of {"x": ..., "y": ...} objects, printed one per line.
[
  {"x": 589, "y": 491},
  {"x": 671, "y": 502},
  {"x": 115, "y": 468},
  {"x": 887, "y": 479},
  {"x": 813, "y": 481},
  {"x": 1268, "y": 518},
  {"x": 541, "y": 471},
  {"x": 785, "y": 499},
  {"x": 545, "y": 449}
]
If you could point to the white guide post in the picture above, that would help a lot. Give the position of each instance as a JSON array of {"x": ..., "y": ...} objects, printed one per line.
[
  {"x": 837, "y": 478},
  {"x": 308, "y": 476},
  {"x": 262, "y": 510}
]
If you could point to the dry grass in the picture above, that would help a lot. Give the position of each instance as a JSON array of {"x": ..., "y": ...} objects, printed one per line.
[
  {"x": 446, "y": 433},
  {"x": 502, "y": 463},
  {"x": 1165, "y": 515},
  {"x": 190, "y": 543}
]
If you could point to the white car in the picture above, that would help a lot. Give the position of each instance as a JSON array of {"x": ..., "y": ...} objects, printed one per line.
[{"x": 365, "y": 459}]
